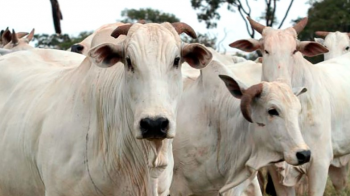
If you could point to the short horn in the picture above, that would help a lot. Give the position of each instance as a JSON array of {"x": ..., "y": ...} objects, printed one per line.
[
  {"x": 14, "y": 37},
  {"x": 182, "y": 27},
  {"x": 121, "y": 30},
  {"x": 255, "y": 25},
  {"x": 247, "y": 98},
  {"x": 31, "y": 35},
  {"x": 322, "y": 33},
  {"x": 300, "y": 25}
]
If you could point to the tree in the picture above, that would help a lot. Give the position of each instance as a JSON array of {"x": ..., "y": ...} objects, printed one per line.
[
  {"x": 61, "y": 42},
  {"x": 148, "y": 14},
  {"x": 326, "y": 15},
  {"x": 156, "y": 16},
  {"x": 209, "y": 12}
]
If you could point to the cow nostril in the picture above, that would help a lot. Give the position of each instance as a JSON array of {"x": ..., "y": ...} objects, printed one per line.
[
  {"x": 164, "y": 124},
  {"x": 303, "y": 156},
  {"x": 154, "y": 127},
  {"x": 77, "y": 48}
]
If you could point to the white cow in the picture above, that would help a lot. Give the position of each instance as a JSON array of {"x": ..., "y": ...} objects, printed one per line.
[
  {"x": 325, "y": 118},
  {"x": 100, "y": 35},
  {"x": 17, "y": 43},
  {"x": 99, "y": 128},
  {"x": 6, "y": 36},
  {"x": 337, "y": 43},
  {"x": 217, "y": 147}
]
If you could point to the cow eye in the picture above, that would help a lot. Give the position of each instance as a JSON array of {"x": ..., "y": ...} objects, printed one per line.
[
  {"x": 176, "y": 62},
  {"x": 128, "y": 62},
  {"x": 273, "y": 112},
  {"x": 347, "y": 48},
  {"x": 295, "y": 51},
  {"x": 267, "y": 52}
]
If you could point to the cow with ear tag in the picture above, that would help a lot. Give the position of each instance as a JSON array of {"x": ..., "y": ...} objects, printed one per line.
[
  {"x": 325, "y": 118},
  {"x": 225, "y": 136},
  {"x": 102, "y": 127}
]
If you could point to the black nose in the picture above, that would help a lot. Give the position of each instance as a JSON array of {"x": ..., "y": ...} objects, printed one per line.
[
  {"x": 155, "y": 128},
  {"x": 303, "y": 156},
  {"x": 77, "y": 48}
]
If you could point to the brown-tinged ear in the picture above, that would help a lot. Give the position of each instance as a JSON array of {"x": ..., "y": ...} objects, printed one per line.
[
  {"x": 232, "y": 86},
  {"x": 247, "y": 45},
  {"x": 6, "y": 37},
  {"x": 21, "y": 34},
  {"x": 310, "y": 48},
  {"x": 196, "y": 55},
  {"x": 106, "y": 54}
]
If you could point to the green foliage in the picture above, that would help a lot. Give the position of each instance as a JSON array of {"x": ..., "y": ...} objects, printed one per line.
[
  {"x": 208, "y": 11},
  {"x": 148, "y": 14},
  {"x": 204, "y": 39},
  {"x": 61, "y": 42},
  {"x": 326, "y": 15},
  {"x": 156, "y": 16}
]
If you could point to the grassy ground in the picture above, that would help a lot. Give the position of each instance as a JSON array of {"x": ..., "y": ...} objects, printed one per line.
[{"x": 330, "y": 191}]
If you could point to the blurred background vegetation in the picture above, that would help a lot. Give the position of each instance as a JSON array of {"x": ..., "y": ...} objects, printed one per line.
[{"x": 324, "y": 15}]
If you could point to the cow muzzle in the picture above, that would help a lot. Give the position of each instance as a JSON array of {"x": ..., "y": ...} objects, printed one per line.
[
  {"x": 303, "y": 156},
  {"x": 77, "y": 48},
  {"x": 154, "y": 128}
]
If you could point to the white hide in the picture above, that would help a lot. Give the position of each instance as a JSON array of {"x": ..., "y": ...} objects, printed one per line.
[
  {"x": 73, "y": 130},
  {"x": 216, "y": 148},
  {"x": 337, "y": 43},
  {"x": 325, "y": 117}
]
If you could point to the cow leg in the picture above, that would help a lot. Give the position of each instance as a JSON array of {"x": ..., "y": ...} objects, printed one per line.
[
  {"x": 338, "y": 176},
  {"x": 317, "y": 174},
  {"x": 280, "y": 189}
]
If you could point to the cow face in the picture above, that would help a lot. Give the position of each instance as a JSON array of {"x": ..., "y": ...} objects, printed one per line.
[
  {"x": 274, "y": 110},
  {"x": 336, "y": 42},
  {"x": 281, "y": 49},
  {"x": 152, "y": 55}
]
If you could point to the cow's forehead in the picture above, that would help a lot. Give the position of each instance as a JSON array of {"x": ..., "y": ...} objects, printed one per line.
[
  {"x": 280, "y": 93},
  {"x": 153, "y": 31},
  {"x": 337, "y": 38},
  {"x": 285, "y": 38}
]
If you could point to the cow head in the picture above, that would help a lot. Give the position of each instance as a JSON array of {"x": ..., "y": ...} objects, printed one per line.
[
  {"x": 19, "y": 42},
  {"x": 274, "y": 110},
  {"x": 280, "y": 48},
  {"x": 152, "y": 55},
  {"x": 336, "y": 42}
]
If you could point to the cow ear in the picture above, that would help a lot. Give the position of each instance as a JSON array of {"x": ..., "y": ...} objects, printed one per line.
[
  {"x": 319, "y": 40},
  {"x": 233, "y": 86},
  {"x": 106, "y": 54},
  {"x": 299, "y": 90},
  {"x": 6, "y": 37},
  {"x": 310, "y": 48},
  {"x": 196, "y": 55},
  {"x": 247, "y": 45}
]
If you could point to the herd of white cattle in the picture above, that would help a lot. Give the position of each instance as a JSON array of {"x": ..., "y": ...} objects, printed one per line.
[{"x": 132, "y": 110}]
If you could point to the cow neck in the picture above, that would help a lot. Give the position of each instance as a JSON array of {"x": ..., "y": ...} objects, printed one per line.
[
  {"x": 233, "y": 130},
  {"x": 114, "y": 151},
  {"x": 300, "y": 73},
  {"x": 231, "y": 148}
]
